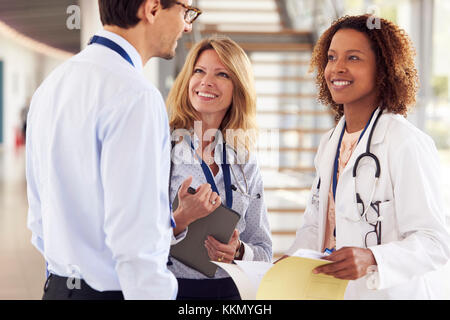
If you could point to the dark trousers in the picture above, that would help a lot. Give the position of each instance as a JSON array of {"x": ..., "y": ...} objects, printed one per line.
[
  {"x": 63, "y": 288},
  {"x": 207, "y": 289}
]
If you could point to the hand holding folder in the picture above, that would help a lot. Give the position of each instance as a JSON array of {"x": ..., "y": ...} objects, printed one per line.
[{"x": 289, "y": 279}]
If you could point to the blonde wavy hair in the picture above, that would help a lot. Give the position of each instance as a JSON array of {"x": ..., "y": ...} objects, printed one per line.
[{"x": 238, "y": 126}]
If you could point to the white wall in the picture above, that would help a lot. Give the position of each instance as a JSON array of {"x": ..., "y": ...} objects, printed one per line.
[
  {"x": 23, "y": 71},
  {"x": 90, "y": 20}
]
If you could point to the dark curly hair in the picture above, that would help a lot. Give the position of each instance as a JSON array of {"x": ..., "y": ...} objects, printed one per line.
[{"x": 397, "y": 78}]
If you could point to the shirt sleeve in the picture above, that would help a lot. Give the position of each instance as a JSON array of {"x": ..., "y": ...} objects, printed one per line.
[
  {"x": 256, "y": 235},
  {"x": 34, "y": 220},
  {"x": 135, "y": 161},
  {"x": 307, "y": 236},
  {"x": 180, "y": 237},
  {"x": 418, "y": 207}
]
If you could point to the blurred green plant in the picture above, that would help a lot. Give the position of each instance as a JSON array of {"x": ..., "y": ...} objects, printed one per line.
[
  {"x": 439, "y": 131},
  {"x": 440, "y": 87}
]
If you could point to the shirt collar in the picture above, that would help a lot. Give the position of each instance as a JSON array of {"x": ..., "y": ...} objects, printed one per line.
[{"x": 128, "y": 47}]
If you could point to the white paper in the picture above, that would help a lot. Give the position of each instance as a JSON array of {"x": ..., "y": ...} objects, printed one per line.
[
  {"x": 246, "y": 289},
  {"x": 247, "y": 276},
  {"x": 306, "y": 253},
  {"x": 254, "y": 270}
]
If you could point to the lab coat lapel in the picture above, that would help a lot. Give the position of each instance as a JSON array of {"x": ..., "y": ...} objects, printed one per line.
[
  {"x": 325, "y": 171},
  {"x": 380, "y": 130}
]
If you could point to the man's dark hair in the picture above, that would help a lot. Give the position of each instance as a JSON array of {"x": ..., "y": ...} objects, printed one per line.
[{"x": 123, "y": 13}]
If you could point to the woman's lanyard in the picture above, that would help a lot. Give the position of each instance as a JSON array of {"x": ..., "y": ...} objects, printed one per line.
[
  {"x": 226, "y": 176},
  {"x": 336, "y": 159},
  {"x": 111, "y": 45}
]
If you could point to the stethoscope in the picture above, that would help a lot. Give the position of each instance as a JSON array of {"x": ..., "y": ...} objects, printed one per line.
[
  {"x": 226, "y": 169},
  {"x": 239, "y": 188},
  {"x": 366, "y": 154}
]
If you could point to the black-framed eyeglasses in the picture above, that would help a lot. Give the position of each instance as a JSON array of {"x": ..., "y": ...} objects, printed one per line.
[
  {"x": 372, "y": 218},
  {"x": 191, "y": 13}
]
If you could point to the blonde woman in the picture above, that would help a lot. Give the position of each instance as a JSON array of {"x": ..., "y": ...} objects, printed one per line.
[{"x": 213, "y": 105}]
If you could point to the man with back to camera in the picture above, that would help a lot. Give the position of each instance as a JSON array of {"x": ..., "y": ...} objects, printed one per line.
[{"x": 98, "y": 157}]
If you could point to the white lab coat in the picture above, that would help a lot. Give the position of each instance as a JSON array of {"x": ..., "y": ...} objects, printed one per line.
[{"x": 415, "y": 239}]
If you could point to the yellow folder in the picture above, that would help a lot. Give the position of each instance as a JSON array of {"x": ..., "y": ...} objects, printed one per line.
[
  {"x": 292, "y": 279},
  {"x": 289, "y": 279}
]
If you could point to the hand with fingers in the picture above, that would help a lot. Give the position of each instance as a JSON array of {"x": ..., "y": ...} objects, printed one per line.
[
  {"x": 192, "y": 207},
  {"x": 349, "y": 263},
  {"x": 221, "y": 252}
]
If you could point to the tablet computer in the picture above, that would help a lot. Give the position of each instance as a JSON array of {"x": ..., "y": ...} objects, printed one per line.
[{"x": 191, "y": 251}]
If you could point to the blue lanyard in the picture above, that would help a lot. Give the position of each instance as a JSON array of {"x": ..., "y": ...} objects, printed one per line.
[
  {"x": 111, "y": 45},
  {"x": 226, "y": 176},
  {"x": 336, "y": 159}
]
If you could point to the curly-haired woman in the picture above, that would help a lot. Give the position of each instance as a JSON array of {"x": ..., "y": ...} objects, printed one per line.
[{"x": 376, "y": 203}]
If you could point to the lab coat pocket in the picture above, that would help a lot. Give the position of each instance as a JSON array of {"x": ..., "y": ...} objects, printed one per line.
[
  {"x": 315, "y": 196},
  {"x": 388, "y": 221}
]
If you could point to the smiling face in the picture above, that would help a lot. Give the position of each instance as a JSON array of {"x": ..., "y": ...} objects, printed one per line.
[
  {"x": 210, "y": 86},
  {"x": 350, "y": 73}
]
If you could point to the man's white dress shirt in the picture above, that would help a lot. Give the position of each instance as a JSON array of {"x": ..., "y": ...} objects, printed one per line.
[{"x": 98, "y": 157}]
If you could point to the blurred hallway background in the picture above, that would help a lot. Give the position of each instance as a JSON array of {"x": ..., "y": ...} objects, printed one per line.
[
  {"x": 23, "y": 271},
  {"x": 278, "y": 35}
]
